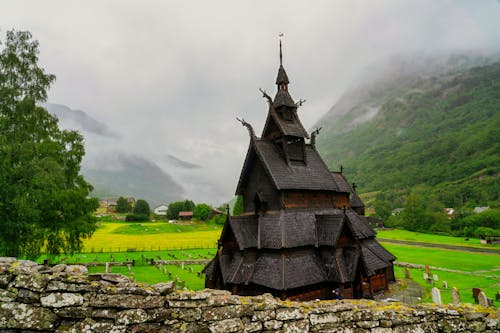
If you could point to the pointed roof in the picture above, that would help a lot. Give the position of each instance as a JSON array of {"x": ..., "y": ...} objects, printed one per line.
[
  {"x": 312, "y": 176},
  {"x": 282, "y": 78}
]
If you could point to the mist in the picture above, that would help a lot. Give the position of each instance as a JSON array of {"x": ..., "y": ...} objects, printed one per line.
[{"x": 167, "y": 79}]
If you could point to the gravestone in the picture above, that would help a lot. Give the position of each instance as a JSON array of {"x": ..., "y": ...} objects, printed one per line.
[
  {"x": 436, "y": 296},
  {"x": 445, "y": 285},
  {"x": 455, "y": 296},
  {"x": 482, "y": 299},
  {"x": 426, "y": 276},
  {"x": 107, "y": 267},
  {"x": 129, "y": 267},
  {"x": 435, "y": 277},
  {"x": 427, "y": 270},
  {"x": 407, "y": 273}
]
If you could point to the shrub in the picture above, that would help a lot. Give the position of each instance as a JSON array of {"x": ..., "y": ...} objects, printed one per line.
[{"x": 137, "y": 218}]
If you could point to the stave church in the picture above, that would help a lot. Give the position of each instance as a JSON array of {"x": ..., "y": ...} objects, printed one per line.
[{"x": 302, "y": 234}]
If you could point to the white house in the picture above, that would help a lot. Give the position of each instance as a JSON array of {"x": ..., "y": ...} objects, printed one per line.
[{"x": 161, "y": 210}]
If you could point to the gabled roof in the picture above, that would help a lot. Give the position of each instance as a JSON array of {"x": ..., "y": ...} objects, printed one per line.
[
  {"x": 378, "y": 249},
  {"x": 314, "y": 175},
  {"x": 372, "y": 262},
  {"x": 359, "y": 225},
  {"x": 291, "y": 127},
  {"x": 245, "y": 230},
  {"x": 283, "y": 98}
]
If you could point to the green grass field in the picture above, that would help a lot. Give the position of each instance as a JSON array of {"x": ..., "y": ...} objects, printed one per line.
[{"x": 411, "y": 236}]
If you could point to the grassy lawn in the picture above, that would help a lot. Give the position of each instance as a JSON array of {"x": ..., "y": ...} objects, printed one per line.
[
  {"x": 464, "y": 261},
  {"x": 411, "y": 236},
  {"x": 118, "y": 236},
  {"x": 464, "y": 284}
]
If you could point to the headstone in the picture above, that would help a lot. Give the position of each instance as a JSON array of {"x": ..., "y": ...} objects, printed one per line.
[
  {"x": 407, "y": 273},
  {"x": 455, "y": 296},
  {"x": 427, "y": 270},
  {"x": 435, "y": 277},
  {"x": 182, "y": 266},
  {"x": 131, "y": 276},
  {"x": 475, "y": 294},
  {"x": 129, "y": 267},
  {"x": 436, "y": 296},
  {"x": 445, "y": 285},
  {"x": 426, "y": 276},
  {"x": 482, "y": 299},
  {"x": 107, "y": 267}
]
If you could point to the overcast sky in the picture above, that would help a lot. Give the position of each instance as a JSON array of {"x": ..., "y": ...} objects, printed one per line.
[{"x": 171, "y": 76}]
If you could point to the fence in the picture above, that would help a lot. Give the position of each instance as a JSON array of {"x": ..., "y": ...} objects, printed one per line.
[{"x": 145, "y": 248}]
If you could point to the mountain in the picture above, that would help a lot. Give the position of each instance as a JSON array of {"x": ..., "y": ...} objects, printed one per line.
[
  {"x": 112, "y": 170},
  {"x": 420, "y": 120},
  {"x": 69, "y": 118},
  {"x": 114, "y": 174}
]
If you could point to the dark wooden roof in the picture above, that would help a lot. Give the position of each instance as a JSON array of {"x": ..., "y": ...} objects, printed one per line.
[
  {"x": 245, "y": 230},
  {"x": 328, "y": 228},
  {"x": 282, "y": 78},
  {"x": 378, "y": 249},
  {"x": 341, "y": 264},
  {"x": 341, "y": 182},
  {"x": 283, "y": 98},
  {"x": 359, "y": 225},
  {"x": 312, "y": 176},
  {"x": 291, "y": 127},
  {"x": 282, "y": 272},
  {"x": 287, "y": 230},
  {"x": 371, "y": 261}
]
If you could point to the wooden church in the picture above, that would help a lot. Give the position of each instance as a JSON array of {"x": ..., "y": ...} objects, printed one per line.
[{"x": 303, "y": 233}]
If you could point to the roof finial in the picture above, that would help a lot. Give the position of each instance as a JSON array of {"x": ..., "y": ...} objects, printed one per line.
[{"x": 281, "y": 53}]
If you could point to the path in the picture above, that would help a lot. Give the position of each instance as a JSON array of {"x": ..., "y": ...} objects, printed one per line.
[{"x": 444, "y": 246}]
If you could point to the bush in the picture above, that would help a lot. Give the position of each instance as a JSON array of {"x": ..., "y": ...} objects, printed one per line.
[
  {"x": 137, "y": 218},
  {"x": 202, "y": 212},
  {"x": 218, "y": 219}
]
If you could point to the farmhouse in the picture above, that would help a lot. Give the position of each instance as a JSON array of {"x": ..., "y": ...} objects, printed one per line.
[
  {"x": 185, "y": 215},
  {"x": 160, "y": 210},
  {"x": 303, "y": 233}
]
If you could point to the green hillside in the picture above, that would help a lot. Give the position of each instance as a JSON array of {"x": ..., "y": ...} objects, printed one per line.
[{"x": 440, "y": 129}]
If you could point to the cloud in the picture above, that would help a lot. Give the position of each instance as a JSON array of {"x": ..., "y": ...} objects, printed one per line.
[{"x": 170, "y": 77}]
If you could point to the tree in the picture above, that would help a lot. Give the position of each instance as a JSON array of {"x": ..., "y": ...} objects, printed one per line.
[
  {"x": 122, "y": 205},
  {"x": 202, "y": 211},
  {"x": 178, "y": 206},
  {"x": 238, "y": 206},
  {"x": 142, "y": 208},
  {"x": 43, "y": 198}
]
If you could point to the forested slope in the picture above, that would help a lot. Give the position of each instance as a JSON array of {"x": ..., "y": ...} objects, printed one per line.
[{"x": 439, "y": 127}]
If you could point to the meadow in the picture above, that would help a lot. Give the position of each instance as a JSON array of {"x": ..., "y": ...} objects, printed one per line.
[
  {"x": 189, "y": 241},
  {"x": 411, "y": 236}
]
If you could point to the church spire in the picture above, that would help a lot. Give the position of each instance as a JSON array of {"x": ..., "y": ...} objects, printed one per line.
[{"x": 282, "y": 78}]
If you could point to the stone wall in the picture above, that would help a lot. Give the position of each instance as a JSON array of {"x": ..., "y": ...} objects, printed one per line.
[{"x": 67, "y": 299}]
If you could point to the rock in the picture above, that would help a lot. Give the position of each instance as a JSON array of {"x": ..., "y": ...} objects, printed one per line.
[
  {"x": 89, "y": 325},
  {"x": 23, "y": 267},
  {"x": 110, "y": 277},
  {"x": 134, "y": 316},
  {"x": 164, "y": 288},
  {"x": 56, "y": 285},
  {"x": 223, "y": 312},
  {"x": 27, "y": 296},
  {"x": 253, "y": 327},
  {"x": 33, "y": 282},
  {"x": 290, "y": 314},
  {"x": 127, "y": 301},
  {"x": 58, "y": 268},
  {"x": 76, "y": 269},
  {"x": 189, "y": 314},
  {"x": 58, "y": 300},
  {"x": 73, "y": 312},
  {"x": 104, "y": 313},
  {"x": 7, "y": 296},
  {"x": 5, "y": 279},
  {"x": 272, "y": 324},
  {"x": 263, "y": 315},
  {"x": 296, "y": 326},
  {"x": 25, "y": 316},
  {"x": 226, "y": 326}
]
